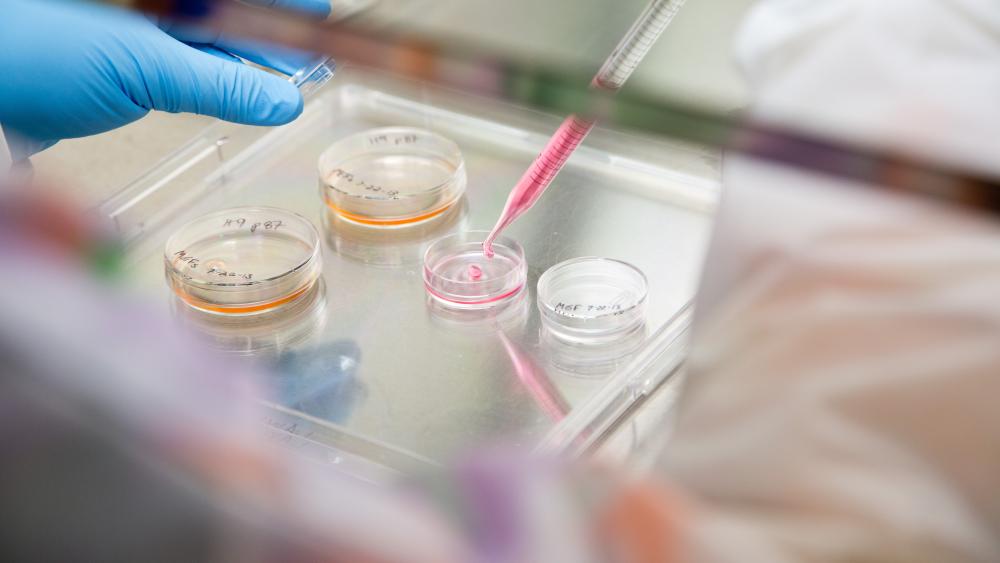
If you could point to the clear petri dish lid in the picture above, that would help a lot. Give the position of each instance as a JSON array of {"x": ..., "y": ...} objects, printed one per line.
[
  {"x": 592, "y": 299},
  {"x": 458, "y": 275},
  {"x": 243, "y": 261},
  {"x": 392, "y": 176}
]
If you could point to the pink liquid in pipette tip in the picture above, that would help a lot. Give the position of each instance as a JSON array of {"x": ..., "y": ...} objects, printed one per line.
[
  {"x": 610, "y": 78},
  {"x": 529, "y": 188}
]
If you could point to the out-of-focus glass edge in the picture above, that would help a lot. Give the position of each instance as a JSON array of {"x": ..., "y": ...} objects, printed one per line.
[
  {"x": 658, "y": 362},
  {"x": 312, "y": 77}
]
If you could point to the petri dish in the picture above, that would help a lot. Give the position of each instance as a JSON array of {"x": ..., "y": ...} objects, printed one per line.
[
  {"x": 458, "y": 275},
  {"x": 243, "y": 261},
  {"x": 592, "y": 299},
  {"x": 392, "y": 177}
]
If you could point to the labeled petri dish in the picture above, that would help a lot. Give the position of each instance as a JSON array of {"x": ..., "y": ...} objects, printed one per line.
[
  {"x": 458, "y": 275},
  {"x": 392, "y": 176},
  {"x": 592, "y": 299},
  {"x": 243, "y": 261}
]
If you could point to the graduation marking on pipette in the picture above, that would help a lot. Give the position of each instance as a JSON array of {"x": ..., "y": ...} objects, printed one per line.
[{"x": 611, "y": 77}]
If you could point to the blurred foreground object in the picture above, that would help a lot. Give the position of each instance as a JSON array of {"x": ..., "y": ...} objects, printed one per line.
[
  {"x": 841, "y": 398},
  {"x": 125, "y": 441},
  {"x": 840, "y": 403}
]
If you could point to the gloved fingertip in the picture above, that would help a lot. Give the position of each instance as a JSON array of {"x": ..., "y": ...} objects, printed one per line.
[{"x": 278, "y": 101}]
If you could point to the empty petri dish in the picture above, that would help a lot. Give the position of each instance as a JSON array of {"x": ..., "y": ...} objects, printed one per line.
[
  {"x": 592, "y": 299},
  {"x": 392, "y": 177},
  {"x": 243, "y": 261},
  {"x": 458, "y": 275}
]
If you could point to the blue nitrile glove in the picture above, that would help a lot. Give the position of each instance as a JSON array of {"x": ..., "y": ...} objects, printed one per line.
[
  {"x": 71, "y": 69},
  {"x": 273, "y": 56}
]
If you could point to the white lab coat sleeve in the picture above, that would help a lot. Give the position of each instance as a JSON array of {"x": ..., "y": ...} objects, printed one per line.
[{"x": 841, "y": 401}]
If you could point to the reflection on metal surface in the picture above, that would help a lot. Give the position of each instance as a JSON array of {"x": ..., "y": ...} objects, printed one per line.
[
  {"x": 500, "y": 323},
  {"x": 263, "y": 334},
  {"x": 535, "y": 379},
  {"x": 320, "y": 380},
  {"x": 590, "y": 359},
  {"x": 391, "y": 247}
]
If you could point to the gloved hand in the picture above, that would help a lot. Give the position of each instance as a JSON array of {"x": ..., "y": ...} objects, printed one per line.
[{"x": 72, "y": 69}]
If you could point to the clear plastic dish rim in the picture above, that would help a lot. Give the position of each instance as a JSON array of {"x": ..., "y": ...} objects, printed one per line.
[
  {"x": 314, "y": 242},
  {"x": 455, "y": 155},
  {"x": 502, "y": 241},
  {"x": 547, "y": 276}
]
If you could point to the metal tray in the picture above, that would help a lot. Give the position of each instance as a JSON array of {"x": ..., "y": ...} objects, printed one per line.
[{"x": 371, "y": 377}]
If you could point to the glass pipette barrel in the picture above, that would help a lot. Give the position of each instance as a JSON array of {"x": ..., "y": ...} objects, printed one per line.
[{"x": 612, "y": 76}]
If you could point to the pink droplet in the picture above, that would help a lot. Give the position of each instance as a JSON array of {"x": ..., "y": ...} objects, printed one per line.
[{"x": 475, "y": 272}]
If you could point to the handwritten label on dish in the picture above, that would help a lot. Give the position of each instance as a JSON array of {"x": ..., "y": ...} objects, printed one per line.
[
  {"x": 587, "y": 309},
  {"x": 193, "y": 262},
  {"x": 397, "y": 140},
  {"x": 240, "y": 222},
  {"x": 349, "y": 178}
]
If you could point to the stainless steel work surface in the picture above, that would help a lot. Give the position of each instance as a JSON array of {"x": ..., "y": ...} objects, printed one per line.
[{"x": 367, "y": 369}]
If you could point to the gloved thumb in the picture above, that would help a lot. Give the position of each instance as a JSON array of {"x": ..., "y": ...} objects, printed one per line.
[{"x": 174, "y": 77}]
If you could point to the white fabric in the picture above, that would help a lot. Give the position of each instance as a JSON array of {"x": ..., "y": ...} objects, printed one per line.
[
  {"x": 842, "y": 398},
  {"x": 5, "y": 158}
]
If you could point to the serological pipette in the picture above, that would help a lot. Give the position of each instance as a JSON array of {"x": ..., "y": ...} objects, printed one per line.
[{"x": 611, "y": 77}]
